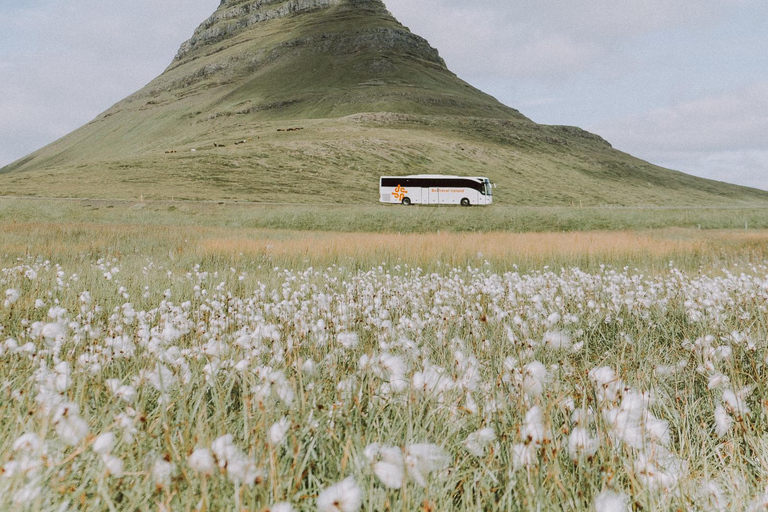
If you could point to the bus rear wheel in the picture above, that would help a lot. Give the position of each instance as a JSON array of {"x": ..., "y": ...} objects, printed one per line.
[
  {"x": 407, "y": 201},
  {"x": 465, "y": 202}
]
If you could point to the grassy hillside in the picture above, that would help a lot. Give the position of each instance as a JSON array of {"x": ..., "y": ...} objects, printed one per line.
[{"x": 371, "y": 99}]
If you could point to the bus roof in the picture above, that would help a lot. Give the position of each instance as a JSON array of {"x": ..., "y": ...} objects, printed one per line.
[{"x": 439, "y": 176}]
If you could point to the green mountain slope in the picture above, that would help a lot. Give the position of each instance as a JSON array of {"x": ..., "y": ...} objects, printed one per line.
[{"x": 370, "y": 97}]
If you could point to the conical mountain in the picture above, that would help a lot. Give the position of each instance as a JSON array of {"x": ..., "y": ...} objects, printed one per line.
[{"x": 311, "y": 101}]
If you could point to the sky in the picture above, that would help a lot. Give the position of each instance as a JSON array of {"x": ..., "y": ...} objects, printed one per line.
[{"x": 680, "y": 83}]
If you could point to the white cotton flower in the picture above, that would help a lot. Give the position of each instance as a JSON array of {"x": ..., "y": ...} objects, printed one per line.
[
  {"x": 535, "y": 377},
  {"x": 657, "y": 429},
  {"x": 112, "y": 384},
  {"x": 713, "y": 495},
  {"x": 609, "y": 501},
  {"x": 582, "y": 444},
  {"x": 659, "y": 469},
  {"x": 201, "y": 461},
  {"x": 723, "y": 421},
  {"x": 344, "y": 496},
  {"x": 113, "y": 465},
  {"x": 70, "y": 427},
  {"x": 371, "y": 451},
  {"x": 557, "y": 340},
  {"x": 278, "y": 432},
  {"x": 348, "y": 340},
  {"x": 308, "y": 367},
  {"x": 422, "y": 459},
  {"x": 104, "y": 443},
  {"x": 736, "y": 401},
  {"x": 396, "y": 368},
  {"x": 241, "y": 469},
  {"x": 607, "y": 385},
  {"x": 477, "y": 442},
  {"x": 391, "y": 468},
  {"x": 524, "y": 456},
  {"x": 722, "y": 353},
  {"x": 553, "y": 319},
  {"x": 582, "y": 416},
  {"x": 28, "y": 443},
  {"x": 626, "y": 420},
  {"x": 126, "y": 393},
  {"x": 717, "y": 381},
  {"x": 162, "y": 472},
  {"x": 281, "y": 507},
  {"x": 224, "y": 449},
  {"x": 391, "y": 474},
  {"x": 125, "y": 420},
  {"x": 11, "y": 296},
  {"x": 162, "y": 379},
  {"x": 53, "y": 332},
  {"x": 533, "y": 427},
  {"x": 63, "y": 379}
]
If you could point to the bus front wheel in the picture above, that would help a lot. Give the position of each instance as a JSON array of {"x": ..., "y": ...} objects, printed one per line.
[
  {"x": 465, "y": 202},
  {"x": 407, "y": 201}
]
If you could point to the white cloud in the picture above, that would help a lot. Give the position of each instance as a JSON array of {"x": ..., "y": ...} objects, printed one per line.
[
  {"x": 544, "y": 40},
  {"x": 729, "y": 121},
  {"x": 719, "y": 136},
  {"x": 68, "y": 61}
]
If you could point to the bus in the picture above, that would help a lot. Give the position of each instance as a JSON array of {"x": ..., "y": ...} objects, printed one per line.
[{"x": 435, "y": 189}]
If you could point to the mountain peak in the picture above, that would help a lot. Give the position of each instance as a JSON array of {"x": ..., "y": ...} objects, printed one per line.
[{"x": 234, "y": 16}]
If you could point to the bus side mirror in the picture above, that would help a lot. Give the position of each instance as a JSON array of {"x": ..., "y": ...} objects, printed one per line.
[{"x": 494, "y": 185}]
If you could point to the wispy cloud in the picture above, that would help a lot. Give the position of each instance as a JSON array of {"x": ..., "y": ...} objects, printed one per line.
[
  {"x": 544, "y": 40},
  {"x": 718, "y": 136}
]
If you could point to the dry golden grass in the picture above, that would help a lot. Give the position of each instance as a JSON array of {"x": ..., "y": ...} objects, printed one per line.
[
  {"x": 452, "y": 248},
  {"x": 649, "y": 248}
]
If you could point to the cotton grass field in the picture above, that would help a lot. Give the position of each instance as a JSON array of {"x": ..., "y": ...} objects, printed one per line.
[{"x": 189, "y": 368}]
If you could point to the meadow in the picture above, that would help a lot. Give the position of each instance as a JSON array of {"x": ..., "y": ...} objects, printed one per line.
[{"x": 175, "y": 366}]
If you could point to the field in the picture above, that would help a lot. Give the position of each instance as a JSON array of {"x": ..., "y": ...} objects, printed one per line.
[{"x": 189, "y": 357}]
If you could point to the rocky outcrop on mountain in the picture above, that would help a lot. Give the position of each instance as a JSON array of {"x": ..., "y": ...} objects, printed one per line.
[{"x": 234, "y": 16}]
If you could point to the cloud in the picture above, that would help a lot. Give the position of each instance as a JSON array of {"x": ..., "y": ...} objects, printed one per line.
[
  {"x": 717, "y": 136},
  {"x": 544, "y": 40},
  {"x": 68, "y": 61}
]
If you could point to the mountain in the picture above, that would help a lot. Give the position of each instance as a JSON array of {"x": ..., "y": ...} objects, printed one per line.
[{"x": 313, "y": 100}]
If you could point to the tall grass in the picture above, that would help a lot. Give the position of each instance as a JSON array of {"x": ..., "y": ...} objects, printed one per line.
[
  {"x": 234, "y": 335},
  {"x": 186, "y": 245}
]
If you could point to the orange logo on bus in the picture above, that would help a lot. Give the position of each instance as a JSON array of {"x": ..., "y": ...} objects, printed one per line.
[{"x": 399, "y": 193}]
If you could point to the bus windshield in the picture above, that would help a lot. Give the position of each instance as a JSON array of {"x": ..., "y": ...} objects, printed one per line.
[{"x": 488, "y": 188}]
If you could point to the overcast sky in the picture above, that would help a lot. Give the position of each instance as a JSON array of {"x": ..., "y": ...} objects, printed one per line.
[{"x": 681, "y": 83}]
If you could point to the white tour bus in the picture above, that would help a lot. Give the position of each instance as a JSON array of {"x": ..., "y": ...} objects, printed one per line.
[{"x": 435, "y": 189}]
